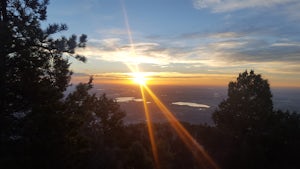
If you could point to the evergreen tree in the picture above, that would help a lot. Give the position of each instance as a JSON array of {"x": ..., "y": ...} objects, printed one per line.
[
  {"x": 34, "y": 73},
  {"x": 95, "y": 129},
  {"x": 243, "y": 117},
  {"x": 256, "y": 135},
  {"x": 248, "y": 105}
]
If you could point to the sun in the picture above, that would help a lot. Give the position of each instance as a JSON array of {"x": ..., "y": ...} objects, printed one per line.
[{"x": 139, "y": 78}]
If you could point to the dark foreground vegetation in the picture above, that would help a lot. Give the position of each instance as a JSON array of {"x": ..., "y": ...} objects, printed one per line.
[{"x": 41, "y": 129}]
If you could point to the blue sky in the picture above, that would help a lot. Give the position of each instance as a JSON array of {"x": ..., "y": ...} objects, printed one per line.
[{"x": 192, "y": 41}]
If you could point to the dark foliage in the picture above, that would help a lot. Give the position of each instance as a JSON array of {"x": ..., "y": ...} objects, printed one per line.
[
  {"x": 256, "y": 135},
  {"x": 34, "y": 74},
  {"x": 39, "y": 128},
  {"x": 248, "y": 106},
  {"x": 95, "y": 129}
]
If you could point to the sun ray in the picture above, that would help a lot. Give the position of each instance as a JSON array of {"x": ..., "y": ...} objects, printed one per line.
[
  {"x": 150, "y": 129},
  {"x": 142, "y": 82},
  {"x": 128, "y": 28},
  {"x": 198, "y": 151}
]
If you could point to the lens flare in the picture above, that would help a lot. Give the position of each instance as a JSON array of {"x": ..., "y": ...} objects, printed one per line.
[
  {"x": 150, "y": 129},
  {"x": 203, "y": 159},
  {"x": 139, "y": 78}
]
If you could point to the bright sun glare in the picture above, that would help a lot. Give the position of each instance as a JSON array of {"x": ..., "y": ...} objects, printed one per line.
[{"x": 139, "y": 78}]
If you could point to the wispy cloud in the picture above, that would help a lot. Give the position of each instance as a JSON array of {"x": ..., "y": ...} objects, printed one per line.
[
  {"x": 233, "y": 5},
  {"x": 224, "y": 36},
  {"x": 218, "y": 49},
  {"x": 215, "y": 35},
  {"x": 113, "y": 50},
  {"x": 286, "y": 44},
  {"x": 213, "y": 54}
]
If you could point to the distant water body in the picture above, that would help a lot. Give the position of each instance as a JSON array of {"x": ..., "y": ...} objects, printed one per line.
[{"x": 193, "y": 104}]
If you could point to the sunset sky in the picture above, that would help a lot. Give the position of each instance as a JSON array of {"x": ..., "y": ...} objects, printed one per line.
[{"x": 185, "y": 42}]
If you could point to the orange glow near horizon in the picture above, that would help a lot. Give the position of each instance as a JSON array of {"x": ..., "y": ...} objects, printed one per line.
[
  {"x": 157, "y": 78},
  {"x": 140, "y": 78},
  {"x": 203, "y": 159},
  {"x": 162, "y": 81},
  {"x": 152, "y": 81}
]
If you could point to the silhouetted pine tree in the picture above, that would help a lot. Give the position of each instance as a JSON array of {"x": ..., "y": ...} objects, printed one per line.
[
  {"x": 34, "y": 73},
  {"x": 248, "y": 106},
  {"x": 256, "y": 135},
  {"x": 95, "y": 130}
]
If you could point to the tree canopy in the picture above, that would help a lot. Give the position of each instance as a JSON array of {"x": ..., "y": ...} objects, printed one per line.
[
  {"x": 248, "y": 105},
  {"x": 34, "y": 70},
  {"x": 34, "y": 73},
  {"x": 43, "y": 127},
  {"x": 256, "y": 135}
]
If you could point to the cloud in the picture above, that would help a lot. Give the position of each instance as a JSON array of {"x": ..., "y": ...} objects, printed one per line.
[
  {"x": 233, "y": 5},
  {"x": 283, "y": 52},
  {"x": 286, "y": 69},
  {"x": 214, "y": 35},
  {"x": 286, "y": 44},
  {"x": 194, "y": 52},
  {"x": 216, "y": 51},
  {"x": 112, "y": 75},
  {"x": 115, "y": 51},
  {"x": 232, "y": 48}
]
